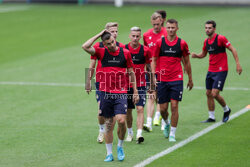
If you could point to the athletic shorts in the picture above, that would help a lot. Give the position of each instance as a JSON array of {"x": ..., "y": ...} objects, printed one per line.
[
  {"x": 97, "y": 92},
  {"x": 112, "y": 104},
  {"x": 168, "y": 91},
  {"x": 142, "y": 97},
  {"x": 216, "y": 80}
]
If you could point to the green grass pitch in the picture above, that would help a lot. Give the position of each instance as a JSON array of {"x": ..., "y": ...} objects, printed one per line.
[{"x": 45, "y": 126}]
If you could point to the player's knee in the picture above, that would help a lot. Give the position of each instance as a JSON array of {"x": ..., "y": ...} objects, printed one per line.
[
  {"x": 121, "y": 121},
  {"x": 214, "y": 94},
  {"x": 209, "y": 94}
]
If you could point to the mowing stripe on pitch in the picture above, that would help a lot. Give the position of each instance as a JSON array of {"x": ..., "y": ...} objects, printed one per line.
[
  {"x": 42, "y": 84},
  {"x": 80, "y": 85},
  {"x": 191, "y": 138}
]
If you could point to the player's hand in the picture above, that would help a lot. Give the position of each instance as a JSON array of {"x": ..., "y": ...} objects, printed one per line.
[
  {"x": 194, "y": 55},
  {"x": 88, "y": 87},
  {"x": 239, "y": 69},
  {"x": 135, "y": 97},
  {"x": 190, "y": 85}
]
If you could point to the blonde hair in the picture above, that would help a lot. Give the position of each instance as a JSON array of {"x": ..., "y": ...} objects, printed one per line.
[
  {"x": 155, "y": 16},
  {"x": 111, "y": 24},
  {"x": 135, "y": 29}
]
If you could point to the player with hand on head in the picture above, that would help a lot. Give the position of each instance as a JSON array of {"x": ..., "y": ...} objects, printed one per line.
[
  {"x": 112, "y": 27},
  {"x": 216, "y": 45},
  {"x": 116, "y": 64}
]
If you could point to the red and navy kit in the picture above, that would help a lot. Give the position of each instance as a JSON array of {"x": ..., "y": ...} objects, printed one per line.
[
  {"x": 169, "y": 59},
  {"x": 140, "y": 57},
  {"x": 216, "y": 47},
  {"x": 150, "y": 38},
  {"x": 170, "y": 76},
  {"x": 99, "y": 64},
  {"x": 98, "y": 67},
  {"x": 113, "y": 80},
  {"x": 218, "y": 66},
  {"x": 114, "y": 68}
]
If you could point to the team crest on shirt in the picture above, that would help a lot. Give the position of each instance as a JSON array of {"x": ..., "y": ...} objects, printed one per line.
[{"x": 149, "y": 37}]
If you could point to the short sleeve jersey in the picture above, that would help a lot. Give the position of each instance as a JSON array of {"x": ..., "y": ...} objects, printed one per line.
[
  {"x": 150, "y": 39},
  {"x": 113, "y": 77},
  {"x": 99, "y": 64},
  {"x": 170, "y": 64},
  {"x": 139, "y": 62},
  {"x": 217, "y": 62}
]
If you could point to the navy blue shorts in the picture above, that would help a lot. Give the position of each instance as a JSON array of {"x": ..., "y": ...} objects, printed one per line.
[
  {"x": 97, "y": 92},
  {"x": 168, "y": 91},
  {"x": 216, "y": 80},
  {"x": 142, "y": 96},
  {"x": 112, "y": 104}
]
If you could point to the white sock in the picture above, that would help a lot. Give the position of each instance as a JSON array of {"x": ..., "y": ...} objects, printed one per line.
[
  {"x": 211, "y": 114},
  {"x": 139, "y": 132},
  {"x": 157, "y": 115},
  {"x": 102, "y": 128},
  {"x": 120, "y": 142},
  {"x": 172, "y": 131},
  {"x": 163, "y": 123},
  {"x": 109, "y": 148},
  {"x": 130, "y": 131},
  {"x": 226, "y": 108},
  {"x": 149, "y": 121}
]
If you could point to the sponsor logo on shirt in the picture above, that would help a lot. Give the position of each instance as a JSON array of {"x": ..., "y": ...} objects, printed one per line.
[
  {"x": 151, "y": 44},
  {"x": 170, "y": 51},
  {"x": 114, "y": 60},
  {"x": 210, "y": 49}
]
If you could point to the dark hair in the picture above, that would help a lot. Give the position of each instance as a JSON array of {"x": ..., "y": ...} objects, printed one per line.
[
  {"x": 211, "y": 22},
  {"x": 163, "y": 13},
  {"x": 105, "y": 36},
  {"x": 172, "y": 21}
]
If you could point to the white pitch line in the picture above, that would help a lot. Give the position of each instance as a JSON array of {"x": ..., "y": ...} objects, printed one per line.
[
  {"x": 13, "y": 9},
  {"x": 188, "y": 140}
]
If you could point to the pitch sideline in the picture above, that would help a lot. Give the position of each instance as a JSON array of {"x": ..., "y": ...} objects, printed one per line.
[{"x": 190, "y": 139}]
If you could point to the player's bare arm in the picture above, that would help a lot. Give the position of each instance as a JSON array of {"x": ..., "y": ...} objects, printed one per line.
[
  {"x": 133, "y": 81},
  {"x": 91, "y": 71},
  {"x": 189, "y": 72},
  {"x": 152, "y": 79},
  {"x": 87, "y": 46},
  {"x": 200, "y": 55},
  {"x": 236, "y": 58}
]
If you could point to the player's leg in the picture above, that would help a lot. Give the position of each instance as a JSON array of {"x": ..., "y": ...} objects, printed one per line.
[
  {"x": 107, "y": 111},
  {"x": 157, "y": 118},
  {"x": 129, "y": 118},
  {"x": 210, "y": 99},
  {"x": 140, "y": 113},
  {"x": 121, "y": 131},
  {"x": 129, "y": 121},
  {"x": 139, "y": 123},
  {"x": 220, "y": 79},
  {"x": 174, "y": 119},
  {"x": 150, "y": 111},
  {"x": 108, "y": 135},
  {"x": 120, "y": 108},
  {"x": 101, "y": 120}
]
